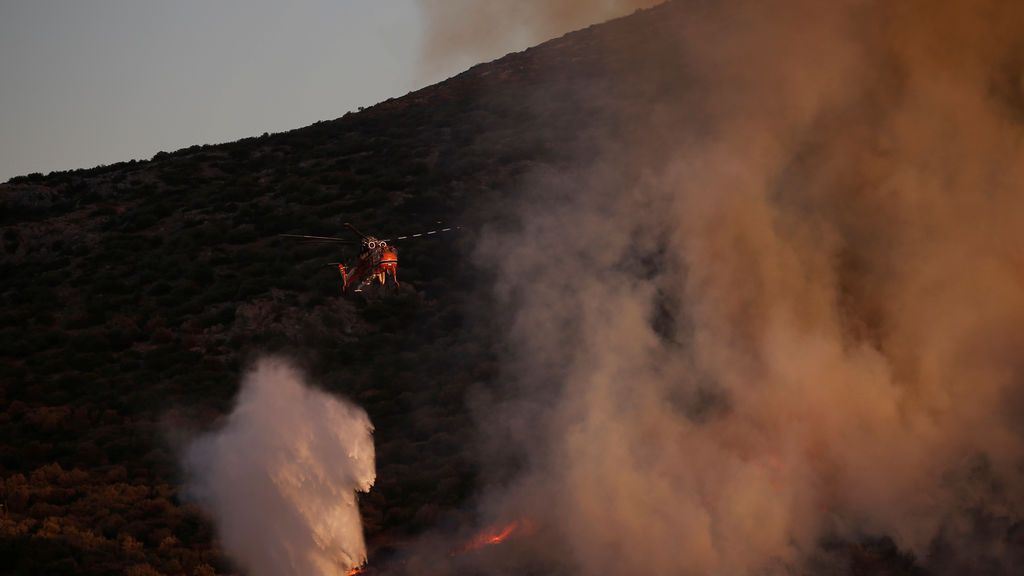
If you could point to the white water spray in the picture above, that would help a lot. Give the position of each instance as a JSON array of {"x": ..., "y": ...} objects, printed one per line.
[{"x": 280, "y": 477}]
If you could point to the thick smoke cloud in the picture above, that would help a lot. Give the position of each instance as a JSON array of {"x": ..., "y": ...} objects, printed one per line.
[
  {"x": 460, "y": 33},
  {"x": 802, "y": 322},
  {"x": 280, "y": 477}
]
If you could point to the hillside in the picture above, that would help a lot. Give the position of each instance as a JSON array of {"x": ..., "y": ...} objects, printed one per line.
[{"x": 135, "y": 293}]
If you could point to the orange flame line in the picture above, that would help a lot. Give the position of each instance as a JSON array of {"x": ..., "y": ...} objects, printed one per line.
[{"x": 494, "y": 536}]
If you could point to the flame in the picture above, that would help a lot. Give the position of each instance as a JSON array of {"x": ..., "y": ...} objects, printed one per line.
[
  {"x": 489, "y": 537},
  {"x": 495, "y": 535}
]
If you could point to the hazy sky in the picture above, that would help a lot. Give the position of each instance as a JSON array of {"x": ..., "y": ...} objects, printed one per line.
[{"x": 99, "y": 81}]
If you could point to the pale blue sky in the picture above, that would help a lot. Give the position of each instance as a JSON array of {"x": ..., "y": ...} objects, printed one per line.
[{"x": 87, "y": 82}]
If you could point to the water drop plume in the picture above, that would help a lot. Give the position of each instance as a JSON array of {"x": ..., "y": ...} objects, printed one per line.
[{"x": 280, "y": 476}]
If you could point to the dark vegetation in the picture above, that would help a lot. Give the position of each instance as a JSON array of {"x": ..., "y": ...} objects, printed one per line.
[{"x": 134, "y": 295}]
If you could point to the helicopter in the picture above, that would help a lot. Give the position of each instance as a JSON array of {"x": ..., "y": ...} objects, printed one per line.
[{"x": 377, "y": 262}]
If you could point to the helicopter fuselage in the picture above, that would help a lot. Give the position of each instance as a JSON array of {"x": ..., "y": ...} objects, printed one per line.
[{"x": 377, "y": 261}]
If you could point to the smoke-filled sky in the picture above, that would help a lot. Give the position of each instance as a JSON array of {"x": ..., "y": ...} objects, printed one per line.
[{"x": 102, "y": 81}]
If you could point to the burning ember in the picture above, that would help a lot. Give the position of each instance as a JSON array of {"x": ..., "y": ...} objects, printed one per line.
[{"x": 355, "y": 571}]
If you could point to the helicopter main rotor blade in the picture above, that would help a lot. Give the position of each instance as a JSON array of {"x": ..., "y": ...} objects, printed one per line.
[
  {"x": 318, "y": 238},
  {"x": 424, "y": 234}
]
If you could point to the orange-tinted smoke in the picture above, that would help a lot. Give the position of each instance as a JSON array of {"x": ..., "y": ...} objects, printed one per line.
[
  {"x": 838, "y": 230},
  {"x": 460, "y": 33}
]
